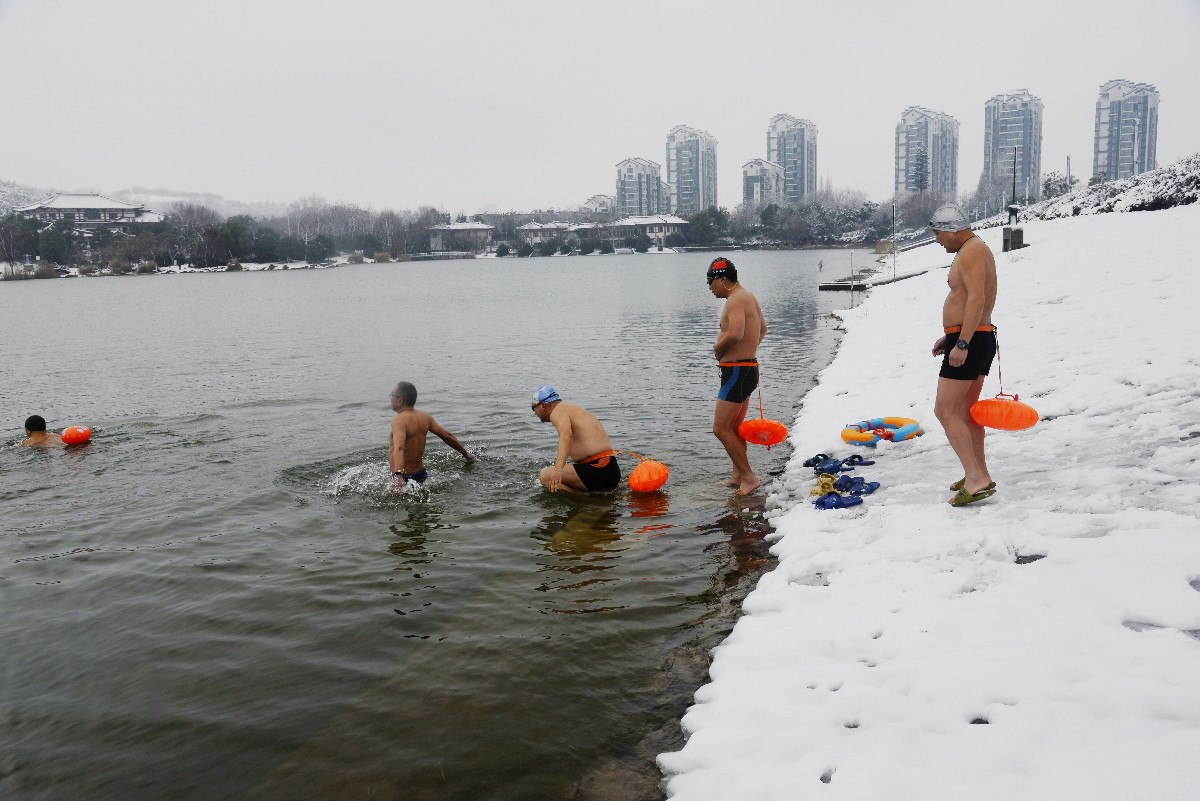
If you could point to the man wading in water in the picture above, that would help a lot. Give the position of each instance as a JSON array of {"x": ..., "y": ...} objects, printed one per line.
[
  {"x": 742, "y": 329},
  {"x": 406, "y": 443},
  {"x": 967, "y": 347}
]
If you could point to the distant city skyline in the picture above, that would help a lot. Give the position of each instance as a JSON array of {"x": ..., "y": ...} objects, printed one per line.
[
  {"x": 468, "y": 106},
  {"x": 1012, "y": 141},
  {"x": 1126, "y": 129}
]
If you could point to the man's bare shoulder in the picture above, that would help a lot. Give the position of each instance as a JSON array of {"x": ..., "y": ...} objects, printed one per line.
[{"x": 413, "y": 420}]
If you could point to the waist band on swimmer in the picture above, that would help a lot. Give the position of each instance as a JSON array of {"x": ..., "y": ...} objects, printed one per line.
[
  {"x": 743, "y": 363},
  {"x": 954, "y": 329},
  {"x": 595, "y": 458}
]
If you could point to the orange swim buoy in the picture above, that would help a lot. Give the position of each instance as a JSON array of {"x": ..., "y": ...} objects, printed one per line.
[
  {"x": 649, "y": 475},
  {"x": 762, "y": 431},
  {"x": 1005, "y": 412},
  {"x": 76, "y": 435}
]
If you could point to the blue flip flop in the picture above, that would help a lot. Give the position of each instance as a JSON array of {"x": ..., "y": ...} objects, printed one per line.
[
  {"x": 857, "y": 461},
  {"x": 864, "y": 488},
  {"x": 846, "y": 483},
  {"x": 816, "y": 460},
  {"x": 834, "y": 501},
  {"x": 831, "y": 466}
]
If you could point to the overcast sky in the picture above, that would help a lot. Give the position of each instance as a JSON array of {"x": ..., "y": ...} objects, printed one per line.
[{"x": 525, "y": 104}]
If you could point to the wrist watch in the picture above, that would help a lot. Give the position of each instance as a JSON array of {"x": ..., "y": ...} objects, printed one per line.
[{"x": 962, "y": 344}]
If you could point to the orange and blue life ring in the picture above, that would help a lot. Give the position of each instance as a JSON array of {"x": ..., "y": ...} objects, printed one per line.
[{"x": 892, "y": 429}]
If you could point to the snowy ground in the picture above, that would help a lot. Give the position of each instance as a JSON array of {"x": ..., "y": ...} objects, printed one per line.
[{"x": 904, "y": 649}]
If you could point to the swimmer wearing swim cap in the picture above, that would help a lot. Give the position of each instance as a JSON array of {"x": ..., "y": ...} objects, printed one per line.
[
  {"x": 581, "y": 439},
  {"x": 37, "y": 435},
  {"x": 742, "y": 329}
]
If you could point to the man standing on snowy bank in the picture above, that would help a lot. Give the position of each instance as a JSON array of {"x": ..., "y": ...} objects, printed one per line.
[{"x": 967, "y": 347}]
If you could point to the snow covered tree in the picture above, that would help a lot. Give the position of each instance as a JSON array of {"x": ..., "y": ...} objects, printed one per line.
[
  {"x": 1055, "y": 184},
  {"x": 921, "y": 170}
]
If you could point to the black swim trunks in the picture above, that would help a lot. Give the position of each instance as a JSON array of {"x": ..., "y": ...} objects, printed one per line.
[
  {"x": 599, "y": 475},
  {"x": 418, "y": 476},
  {"x": 979, "y": 357},
  {"x": 738, "y": 380}
]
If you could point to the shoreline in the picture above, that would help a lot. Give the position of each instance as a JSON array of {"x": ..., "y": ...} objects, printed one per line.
[{"x": 1059, "y": 612}]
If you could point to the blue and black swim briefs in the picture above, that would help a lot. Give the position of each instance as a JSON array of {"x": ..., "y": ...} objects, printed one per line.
[{"x": 738, "y": 380}]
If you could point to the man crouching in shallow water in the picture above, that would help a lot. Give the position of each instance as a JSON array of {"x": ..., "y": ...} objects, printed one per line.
[
  {"x": 406, "y": 443},
  {"x": 580, "y": 438}
]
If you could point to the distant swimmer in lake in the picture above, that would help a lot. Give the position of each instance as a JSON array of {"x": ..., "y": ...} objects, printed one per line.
[
  {"x": 581, "y": 439},
  {"x": 742, "y": 329},
  {"x": 406, "y": 443},
  {"x": 37, "y": 435}
]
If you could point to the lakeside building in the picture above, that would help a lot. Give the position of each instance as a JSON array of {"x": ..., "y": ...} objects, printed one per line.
[
  {"x": 464, "y": 236},
  {"x": 600, "y": 204},
  {"x": 656, "y": 227},
  {"x": 640, "y": 188},
  {"x": 536, "y": 233},
  {"x": 926, "y": 152},
  {"x": 1012, "y": 124},
  {"x": 691, "y": 170},
  {"x": 762, "y": 183},
  {"x": 89, "y": 211},
  {"x": 792, "y": 144},
  {"x": 1126, "y": 130}
]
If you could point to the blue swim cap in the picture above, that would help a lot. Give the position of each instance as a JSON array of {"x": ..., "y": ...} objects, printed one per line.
[{"x": 546, "y": 394}]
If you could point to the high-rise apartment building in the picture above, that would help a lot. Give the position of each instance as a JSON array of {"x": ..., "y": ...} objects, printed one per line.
[
  {"x": 1126, "y": 129},
  {"x": 792, "y": 144},
  {"x": 927, "y": 152},
  {"x": 691, "y": 170},
  {"x": 640, "y": 190},
  {"x": 1012, "y": 134},
  {"x": 762, "y": 183}
]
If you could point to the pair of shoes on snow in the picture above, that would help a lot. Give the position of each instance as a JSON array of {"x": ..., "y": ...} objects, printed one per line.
[
  {"x": 855, "y": 485},
  {"x": 829, "y": 464},
  {"x": 832, "y": 500}
]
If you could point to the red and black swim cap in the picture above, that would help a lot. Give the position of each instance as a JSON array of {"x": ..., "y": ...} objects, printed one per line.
[{"x": 721, "y": 267}]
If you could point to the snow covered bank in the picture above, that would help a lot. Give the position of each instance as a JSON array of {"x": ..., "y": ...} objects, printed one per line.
[
  {"x": 1176, "y": 184},
  {"x": 904, "y": 649}
]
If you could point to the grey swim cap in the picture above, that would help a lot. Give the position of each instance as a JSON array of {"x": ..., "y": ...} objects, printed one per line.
[{"x": 950, "y": 217}]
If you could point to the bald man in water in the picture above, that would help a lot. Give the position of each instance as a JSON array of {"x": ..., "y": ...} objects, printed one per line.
[{"x": 406, "y": 442}]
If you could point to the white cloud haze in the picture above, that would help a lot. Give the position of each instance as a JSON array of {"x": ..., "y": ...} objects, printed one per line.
[{"x": 531, "y": 104}]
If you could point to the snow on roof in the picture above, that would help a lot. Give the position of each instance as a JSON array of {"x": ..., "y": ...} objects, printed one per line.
[
  {"x": 550, "y": 226},
  {"x": 463, "y": 226},
  {"x": 656, "y": 219},
  {"x": 65, "y": 200}
]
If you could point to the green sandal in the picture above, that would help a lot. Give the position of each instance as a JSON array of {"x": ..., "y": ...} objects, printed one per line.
[
  {"x": 963, "y": 498},
  {"x": 962, "y": 482}
]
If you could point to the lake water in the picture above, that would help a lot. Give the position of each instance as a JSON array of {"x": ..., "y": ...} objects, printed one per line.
[{"x": 219, "y": 597}]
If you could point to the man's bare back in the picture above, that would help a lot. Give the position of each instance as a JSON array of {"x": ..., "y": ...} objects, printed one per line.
[
  {"x": 580, "y": 434},
  {"x": 410, "y": 427}
]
